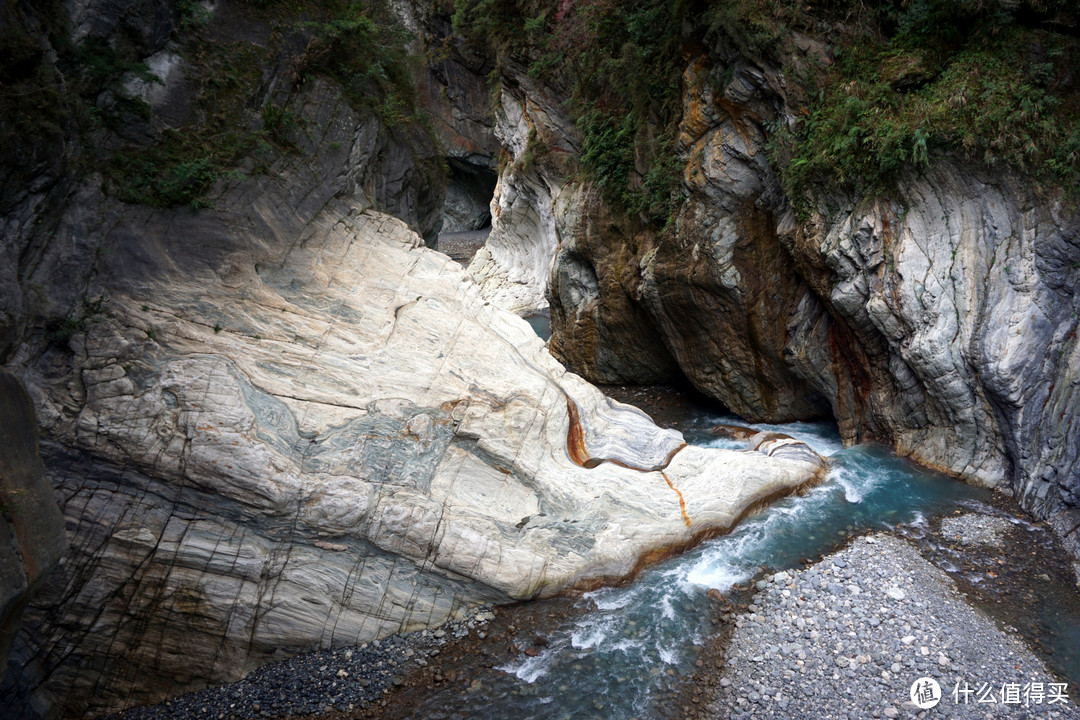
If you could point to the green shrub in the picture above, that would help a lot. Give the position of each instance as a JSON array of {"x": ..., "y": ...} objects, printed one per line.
[
  {"x": 364, "y": 47},
  {"x": 940, "y": 75},
  {"x": 358, "y": 43},
  {"x": 991, "y": 80},
  {"x": 618, "y": 63}
]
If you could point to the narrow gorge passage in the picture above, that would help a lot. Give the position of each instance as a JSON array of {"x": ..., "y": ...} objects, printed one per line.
[
  {"x": 295, "y": 463},
  {"x": 466, "y": 214},
  {"x": 462, "y": 245}
]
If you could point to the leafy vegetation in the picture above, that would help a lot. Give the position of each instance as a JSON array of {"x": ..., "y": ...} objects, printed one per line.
[
  {"x": 89, "y": 312},
  {"x": 364, "y": 47},
  {"x": 182, "y": 164},
  {"x": 989, "y": 80},
  {"x": 357, "y": 42},
  {"x": 34, "y": 109},
  {"x": 618, "y": 63},
  {"x": 234, "y": 122}
]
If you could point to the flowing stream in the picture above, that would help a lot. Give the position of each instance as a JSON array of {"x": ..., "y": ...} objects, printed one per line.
[{"x": 624, "y": 652}]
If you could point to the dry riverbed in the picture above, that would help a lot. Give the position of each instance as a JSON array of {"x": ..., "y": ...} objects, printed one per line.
[{"x": 847, "y": 638}]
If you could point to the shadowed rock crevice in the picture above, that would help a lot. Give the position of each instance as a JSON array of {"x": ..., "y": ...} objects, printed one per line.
[
  {"x": 469, "y": 191},
  {"x": 32, "y": 539}
]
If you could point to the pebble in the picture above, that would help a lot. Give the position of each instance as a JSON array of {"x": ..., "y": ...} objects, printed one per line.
[
  {"x": 861, "y": 658},
  {"x": 975, "y": 529},
  {"x": 328, "y": 681}
]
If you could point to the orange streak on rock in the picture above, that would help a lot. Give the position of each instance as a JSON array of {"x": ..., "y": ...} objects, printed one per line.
[
  {"x": 575, "y": 436},
  {"x": 579, "y": 455},
  {"x": 682, "y": 503}
]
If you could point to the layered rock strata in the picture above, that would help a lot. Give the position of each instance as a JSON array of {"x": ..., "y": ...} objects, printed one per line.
[
  {"x": 320, "y": 442},
  {"x": 513, "y": 266},
  {"x": 279, "y": 423},
  {"x": 555, "y": 243},
  {"x": 939, "y": 318}
]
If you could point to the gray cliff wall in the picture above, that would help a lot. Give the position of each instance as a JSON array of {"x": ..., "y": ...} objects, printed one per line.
[
  {"x": 960, "y": 293},
  {"x": 55, "y": 205},
  {"x": 940, "y": 318},
  {"x": 555, "y": 242}
]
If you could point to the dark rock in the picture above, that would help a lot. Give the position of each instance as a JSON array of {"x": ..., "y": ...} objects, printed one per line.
[{"x": 32, "y": 538}]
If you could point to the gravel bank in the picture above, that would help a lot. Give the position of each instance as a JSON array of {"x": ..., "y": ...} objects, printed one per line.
[
  {"x": 843, "y": 638},
  {"x": 339, "y": 681},
  {"x": 847, "y": 637},
  {"x": 461, "y": 246},
  {"x": 975, "y": 529}
]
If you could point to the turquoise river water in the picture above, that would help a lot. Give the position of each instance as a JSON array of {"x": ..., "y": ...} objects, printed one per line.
[{"x": 627, "y": 647}]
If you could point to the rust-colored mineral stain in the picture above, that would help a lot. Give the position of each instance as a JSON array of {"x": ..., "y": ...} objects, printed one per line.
[
  {"x": 671, "y": 455},
  {"x": 575, "y": 437},
  {"x": 682, "y": 503},
  {"x": 575, "y": 448}
]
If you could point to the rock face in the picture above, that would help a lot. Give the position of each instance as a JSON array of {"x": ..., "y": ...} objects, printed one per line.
[
  {"x": 553, "y": 239},
  {"x": 961, "y": 296},
  {"x": 454, "y": 91},
  {"x": 280, "y": 423},
  {"x": 940, "y": 319},
  {"x": 295, "y": 445},
  {"x": 512, "y": 267},
  {"x": 31, "y": 526}
]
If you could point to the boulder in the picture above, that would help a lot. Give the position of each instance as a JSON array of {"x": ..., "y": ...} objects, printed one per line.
[{"x": 300, "y": 445}]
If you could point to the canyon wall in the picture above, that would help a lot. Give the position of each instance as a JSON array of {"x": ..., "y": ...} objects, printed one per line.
[
  {"x": 939, "y": 318},
  {"x": 275, "y": 421},
  {"x": 31, "y": 527}
]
